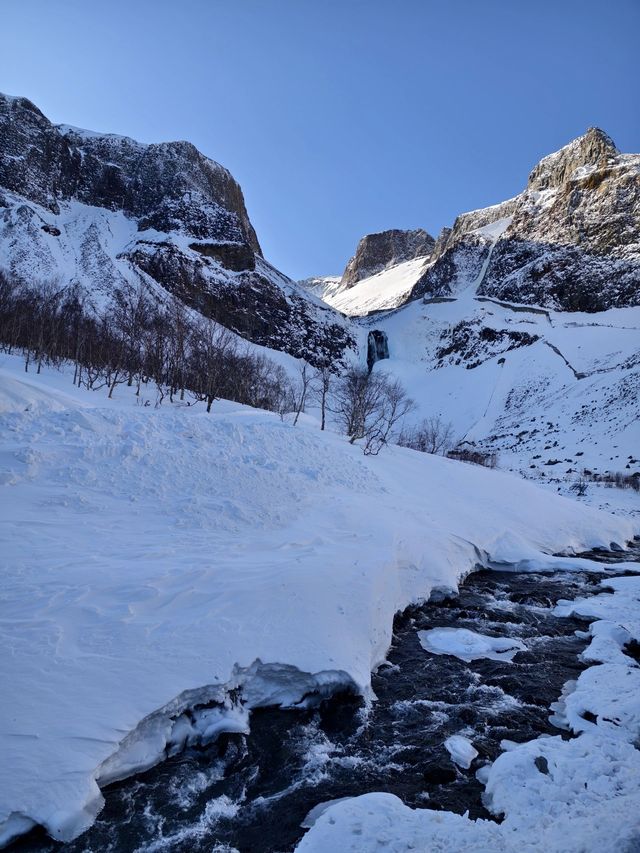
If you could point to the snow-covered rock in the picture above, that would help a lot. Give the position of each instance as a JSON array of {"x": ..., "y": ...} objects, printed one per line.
[
  {"x": 461, "y": 750},
  {"x": 386, "y": 249},
  {"x": 105, "y": 211},
  {"x": 572, "y": 241},
  {"x": 469, "y": 645}
]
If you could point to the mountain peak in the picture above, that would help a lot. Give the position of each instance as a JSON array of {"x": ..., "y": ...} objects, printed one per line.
[
  {"x": 594, "y": 148},
  {"x": 384, "y": 249}
]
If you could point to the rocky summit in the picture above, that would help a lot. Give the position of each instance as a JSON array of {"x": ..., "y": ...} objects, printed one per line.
[
  {"x": 378, "y": 252},
  {"x": 570, "y": 241},
  {"x": 105, "y": 212}
]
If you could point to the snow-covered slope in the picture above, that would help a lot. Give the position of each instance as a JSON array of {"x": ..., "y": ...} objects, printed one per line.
[
  {"x": 380, "y": 292},
  {"x": 383, "y": 250},
  {"x": 159, "y": 559},
  {"x": 322, "y": 286},
  {"x": 552, "y": 392}
]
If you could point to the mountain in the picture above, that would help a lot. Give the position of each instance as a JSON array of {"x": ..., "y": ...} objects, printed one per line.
[
  {"x": 107, "y": 212},
  {"x": 322, "y": 286},
  {"x": 382, "y": 291},
  {"x": 381, "y": 275},
  {"x": 522, "y": 328},
  {"x": 378, "y": 252},
  {"x": 570, "y": 241}
]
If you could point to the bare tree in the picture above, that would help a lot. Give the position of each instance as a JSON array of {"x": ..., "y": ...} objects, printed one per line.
[
  {"x": 321, "y": 388},
  {"x": 212, "y": 348},
  {"x": 368, "y": 406},
  {"x": 394, "y": 405},
  {"x": 303, "y": 389},
  {"x": 432, "y": 435}
]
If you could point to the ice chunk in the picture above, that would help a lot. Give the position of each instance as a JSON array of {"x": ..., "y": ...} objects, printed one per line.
[
  {"x": 461, "y": 750},
  {"x": 469, "y": 645}
]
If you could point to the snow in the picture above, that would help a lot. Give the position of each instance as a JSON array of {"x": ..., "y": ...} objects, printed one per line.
[
  {"x": 461, "y": 750},
  {"x": 527, "y": 403},
  {"x": 383, "y": 291},
  {"x": 494, "y": 229},
  {"x": 158, "y": 559},
  {"x": 469, "y": 645}
]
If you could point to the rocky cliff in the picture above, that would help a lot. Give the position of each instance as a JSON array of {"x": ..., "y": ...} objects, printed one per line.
[
  {"x": 105, "y": 211},
  {"x": 377, "y": 252},
  {"x": 570, "y": 241}
]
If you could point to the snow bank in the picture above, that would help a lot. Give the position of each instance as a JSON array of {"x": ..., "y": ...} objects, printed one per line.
[{"x": 155, "y": 560}]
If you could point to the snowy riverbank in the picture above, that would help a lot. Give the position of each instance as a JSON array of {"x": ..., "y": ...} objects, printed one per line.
[{"x": 158, "y": 559}]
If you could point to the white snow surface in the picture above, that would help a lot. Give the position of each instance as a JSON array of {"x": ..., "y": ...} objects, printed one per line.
[
  {"x": 469, "y": 645},
  {"x": 380, "y": 292},
  {"x": 154, "y": 559},
  {"x": 567, "y": 402}
]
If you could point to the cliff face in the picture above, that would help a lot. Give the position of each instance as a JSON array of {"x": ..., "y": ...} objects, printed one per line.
[
  {"x": 105, "y": 211},
  {"x": 377, "y": 252},
  {"x": 570, "y": 241}
]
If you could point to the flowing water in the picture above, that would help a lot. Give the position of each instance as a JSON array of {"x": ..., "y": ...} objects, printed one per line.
[{"x": 251, "y": 793}]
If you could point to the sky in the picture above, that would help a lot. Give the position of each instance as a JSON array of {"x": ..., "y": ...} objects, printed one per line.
[{"x": 338, "y": 117}]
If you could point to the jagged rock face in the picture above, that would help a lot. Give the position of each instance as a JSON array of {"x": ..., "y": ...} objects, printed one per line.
[
  {"x": 170, "y": 186},
  {"x": 104, "y": 211},
  {"x": 377, "y": 252},
  {"x": 570, "y": 241}
]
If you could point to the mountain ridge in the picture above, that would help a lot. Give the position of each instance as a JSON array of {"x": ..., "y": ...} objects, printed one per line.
[{"x": 106, "y": 213}]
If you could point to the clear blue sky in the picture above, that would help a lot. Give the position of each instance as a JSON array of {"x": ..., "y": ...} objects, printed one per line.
[{"x": 338, "y": 117}]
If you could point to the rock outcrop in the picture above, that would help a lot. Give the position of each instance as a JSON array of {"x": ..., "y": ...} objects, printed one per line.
[
  {"x": 570, "y": 241},
  {"x": 377, "y": 252},
  {"x": 104, "y": 211}
]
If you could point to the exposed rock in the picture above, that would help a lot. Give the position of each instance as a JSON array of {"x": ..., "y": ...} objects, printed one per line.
[
  {"x": 572, "y": 242},
  {"x": 377, "y": 252},
  {"x": 471, "y": 343},
  {"x": 104, "y": 211}
]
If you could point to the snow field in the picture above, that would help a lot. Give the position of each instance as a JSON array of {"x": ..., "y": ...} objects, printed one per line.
[{"x": 154, "y": 560}]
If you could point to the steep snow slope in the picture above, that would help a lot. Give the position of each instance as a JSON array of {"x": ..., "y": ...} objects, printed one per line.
[
  {"x": 552, "y": 392},
  {"x": 383, "y": 250},
  {"x": 322, "y": 286},
  {"x": 383, "y": 291},
  {"x": 155, "y": 560}
]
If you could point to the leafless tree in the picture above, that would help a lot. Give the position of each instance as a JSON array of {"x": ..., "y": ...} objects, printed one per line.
[
  {"x": 432, "y": 435},
  {"x": 303, "y": 388},
  {"x": 369, "y": 406},
  {"x": 212, "y": 348},
  {"x": 321, "y": 388}
]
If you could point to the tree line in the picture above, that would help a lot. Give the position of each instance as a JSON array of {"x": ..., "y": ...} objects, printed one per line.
[{"x": 137, "y": 340}]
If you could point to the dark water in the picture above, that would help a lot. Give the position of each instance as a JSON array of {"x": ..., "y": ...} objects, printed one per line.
[{"x": 251, "y": 793}]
